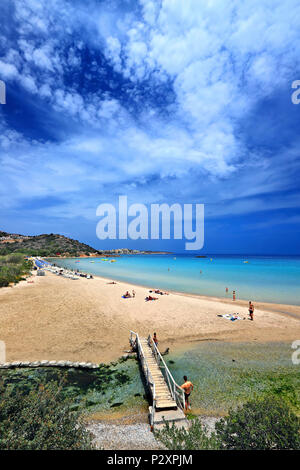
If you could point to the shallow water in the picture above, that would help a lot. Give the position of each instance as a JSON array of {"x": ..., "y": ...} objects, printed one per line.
[
  {"x": 227, "y": 374},
  {"x": 108, "y": 389},
  {"x": 262, "y": 278},
  {"x": 224, "y": 375}
]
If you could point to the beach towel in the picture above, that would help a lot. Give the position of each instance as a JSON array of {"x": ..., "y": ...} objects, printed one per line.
[{"x": 231, "y": 317}]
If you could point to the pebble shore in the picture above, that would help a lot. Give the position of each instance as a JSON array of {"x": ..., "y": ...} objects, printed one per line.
[
  {"x": 121, "y": 435},
  {"x": 110, "y": 436}
]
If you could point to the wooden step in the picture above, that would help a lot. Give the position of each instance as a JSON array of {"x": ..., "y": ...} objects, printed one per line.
[{"x": 165, "y": 405}]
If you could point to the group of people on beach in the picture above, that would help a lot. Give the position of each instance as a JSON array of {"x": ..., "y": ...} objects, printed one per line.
[
  {"x": 127, "y": 295},
  {"x": 156, "y": 291},
  {"x": 160, "y": 292}
]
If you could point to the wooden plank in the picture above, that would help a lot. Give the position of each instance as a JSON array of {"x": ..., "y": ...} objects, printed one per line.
[{"x": 164, "y": 399}]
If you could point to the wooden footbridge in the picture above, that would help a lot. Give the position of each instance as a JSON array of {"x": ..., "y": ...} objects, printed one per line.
[{"x": 167, "y": 397}]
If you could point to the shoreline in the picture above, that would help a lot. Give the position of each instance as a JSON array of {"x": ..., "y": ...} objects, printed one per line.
[
  {"x": 225, "y": 298},
  {"x": 87, "y": 320},
  {"x": 269, "y": 306}
]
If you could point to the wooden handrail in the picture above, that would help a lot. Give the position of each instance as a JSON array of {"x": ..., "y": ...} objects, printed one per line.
[
  {"x": 149, "y": 377},
  {"x": 175, "y": 393}
]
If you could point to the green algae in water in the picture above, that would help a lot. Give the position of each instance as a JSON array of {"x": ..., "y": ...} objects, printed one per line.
[
  {"x": 224, "y": 375},
  {"x": 228, "y": 374},
  {"x": 90, "y": 390}
]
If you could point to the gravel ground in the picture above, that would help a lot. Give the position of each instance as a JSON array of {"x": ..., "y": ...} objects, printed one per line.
[
  {"x": 209, "y": 422},
  {"x": 110, "y": 436},
  {"x": 120, "y": 435}
]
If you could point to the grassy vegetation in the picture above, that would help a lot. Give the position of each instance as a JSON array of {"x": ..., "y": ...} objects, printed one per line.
[
  {"x": 47, "y": 245},
  {"x": 282, "y": 384},
  {"x": 13, "y": 268}
]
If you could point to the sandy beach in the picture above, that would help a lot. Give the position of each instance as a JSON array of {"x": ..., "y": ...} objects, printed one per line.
[{"x": 56, "y": 318}]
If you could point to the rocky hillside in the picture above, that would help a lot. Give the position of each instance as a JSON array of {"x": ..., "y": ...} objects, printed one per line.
[{"x": 43, "y": 245}]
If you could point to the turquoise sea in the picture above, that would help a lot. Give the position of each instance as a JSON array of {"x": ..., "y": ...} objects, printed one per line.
[{"x": 260, "y": 278}]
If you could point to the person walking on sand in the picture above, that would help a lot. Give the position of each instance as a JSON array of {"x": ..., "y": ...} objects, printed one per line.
[
  {"x": 187, "y": 386},
  {"x": 251, "y": 310},
  {"x": 133, "y": 293}
]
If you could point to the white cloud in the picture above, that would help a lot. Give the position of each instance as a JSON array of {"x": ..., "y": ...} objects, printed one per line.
[
  {"x": 219, "y": 59},
  {"x": 113, "y": 50},
  {"x": 29, "y": 83},
  {"x": 7, "y": 71},
  {"x": 41, "y": 59}
]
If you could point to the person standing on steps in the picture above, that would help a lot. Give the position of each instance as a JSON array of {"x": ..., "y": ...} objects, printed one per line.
[
  {"x": 155, "y": 340},
  {"x": 188, "y": 387}
]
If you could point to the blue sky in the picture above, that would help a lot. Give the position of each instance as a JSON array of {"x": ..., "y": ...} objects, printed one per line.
[{"x": 162, "y": 101}]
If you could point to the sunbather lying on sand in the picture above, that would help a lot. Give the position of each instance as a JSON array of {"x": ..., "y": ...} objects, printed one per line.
[
  {"x": 157, "y": 291},
  {"x": 151, "y": 298},
  {"x": 113, "y": 282}
]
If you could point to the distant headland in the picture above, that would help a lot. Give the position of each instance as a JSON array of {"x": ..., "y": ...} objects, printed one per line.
[{"x": 55, "y": 245}]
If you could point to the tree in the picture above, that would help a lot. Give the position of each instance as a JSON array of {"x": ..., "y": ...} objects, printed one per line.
[
  {"x": 41, "y": 419},
  {"x": 265, "y": 424}
]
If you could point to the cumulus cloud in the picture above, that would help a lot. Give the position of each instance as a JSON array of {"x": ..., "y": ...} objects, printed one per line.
[{"x": 155, "y": 96}]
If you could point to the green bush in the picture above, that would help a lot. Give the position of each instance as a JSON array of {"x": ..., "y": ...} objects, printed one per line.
[
  {"x": 265, "y": 424},
  {"x": 268, "y": 424},
  {"x": 40, "y": 420},
  {"x": 12, "y": 268},
  {"x": 194, "y": 438}
]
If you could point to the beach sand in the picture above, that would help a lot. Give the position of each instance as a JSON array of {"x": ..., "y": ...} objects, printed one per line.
[{"x": 56, "y": 318}]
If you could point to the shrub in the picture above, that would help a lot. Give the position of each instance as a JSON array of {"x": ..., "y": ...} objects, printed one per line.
[
  {"x": 41, "y": 420},
  {"x": 264, "y": 424},
  {"x": 268, "y": 424},
  {"x": 12, "y": 268},
  {"x": 194, "y": 438}
]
